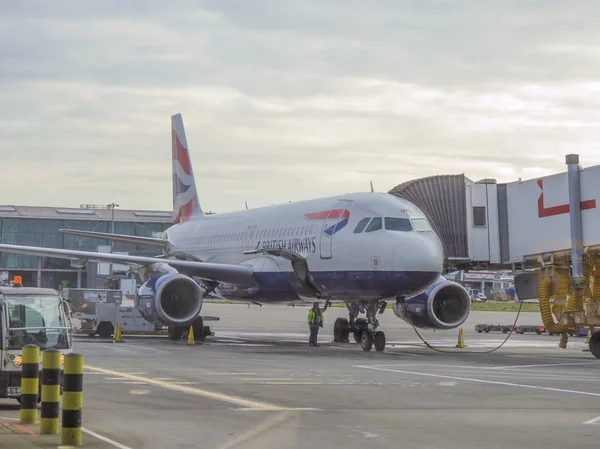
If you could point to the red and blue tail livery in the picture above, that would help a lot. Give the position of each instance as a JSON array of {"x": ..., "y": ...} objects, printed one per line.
[
  {"x": 342, "y": 214},
  {"x": 185, "y": 196}
]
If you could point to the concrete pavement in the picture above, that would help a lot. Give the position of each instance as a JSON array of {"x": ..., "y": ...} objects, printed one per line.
[{"x": 257, "y": 384}]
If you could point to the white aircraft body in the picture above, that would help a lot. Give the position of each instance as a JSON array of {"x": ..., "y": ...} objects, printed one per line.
[{"x": 362, "y": 249}]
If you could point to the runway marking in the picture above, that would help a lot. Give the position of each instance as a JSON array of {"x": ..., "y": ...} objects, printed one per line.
[
  {"x": 134, "y": 382},
  {"x": 593, "y": 420},
  {"x": 88, "y": 431},
  {"x": 233, "y": 374},
  {"x": 185, "y": 389},
  {"x": 523, "y": 368},
  {"x": 105, "y": 439},
  {"x": 483, "y": 381},
  {"x": 281, "y": 409},
  {"x": 294, "y": 383},
  {"x": 266, "y": 378},
  {"x": 545, "y": 365}
]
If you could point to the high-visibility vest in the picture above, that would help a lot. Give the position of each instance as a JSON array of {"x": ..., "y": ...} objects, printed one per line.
[{"x": 312, "y": 316}]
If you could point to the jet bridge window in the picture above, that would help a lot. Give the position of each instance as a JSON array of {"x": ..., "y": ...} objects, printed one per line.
[
  {"x": 479, "y": 218},
  {"x": 375, "y": 225},
  {"x": 398, "y": 224},
  {"x": 361, "y": 225}
]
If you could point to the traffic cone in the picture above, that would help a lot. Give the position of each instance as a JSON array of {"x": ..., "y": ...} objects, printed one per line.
[
  {"x": 191, "y": 336},
  {"x": 118, "y": 335},
  {"x": 461, "y": 339}
]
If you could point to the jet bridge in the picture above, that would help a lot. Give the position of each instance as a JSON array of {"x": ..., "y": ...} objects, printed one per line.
[
  {"x": 487, "y": 224},
  {"x": 546, "y": 229}
]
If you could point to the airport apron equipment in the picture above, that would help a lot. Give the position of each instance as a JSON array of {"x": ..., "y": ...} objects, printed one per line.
[{"x": 489, "y": 351}]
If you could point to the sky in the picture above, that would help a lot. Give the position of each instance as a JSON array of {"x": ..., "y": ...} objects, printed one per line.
[{"x": 286, "y": 101}]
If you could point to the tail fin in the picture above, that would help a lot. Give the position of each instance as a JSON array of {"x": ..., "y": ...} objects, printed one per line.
[{"x": 185, "y": 196}]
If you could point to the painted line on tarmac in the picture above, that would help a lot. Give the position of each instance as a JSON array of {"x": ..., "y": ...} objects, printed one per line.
[
  {"x": 89, "y": 432},
  {"x": 191, "y": 390},
  {"x": 593, "y": 420},
  {"x": 482, "y": 381},
  {"x": 544, "y": 365},
  {"x": 105, "y": 439}
]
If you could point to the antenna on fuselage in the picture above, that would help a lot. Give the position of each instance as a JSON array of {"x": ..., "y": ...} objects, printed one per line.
[{"x": 371, "y": 182}]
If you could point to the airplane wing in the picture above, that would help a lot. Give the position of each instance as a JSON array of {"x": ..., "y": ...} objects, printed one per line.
[
  {"x": 225, "y": 273},
  {"x": 141, "y": 241}
]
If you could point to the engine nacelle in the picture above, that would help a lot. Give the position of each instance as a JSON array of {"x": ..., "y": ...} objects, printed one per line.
[
  {"x": 171, "y": 299},
  {"x": 445, "y": 305}
]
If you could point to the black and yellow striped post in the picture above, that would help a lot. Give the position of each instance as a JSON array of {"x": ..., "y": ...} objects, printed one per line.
[
  {"x": 72, "y": 400},
  {"x": 50, "y": 392},
  {"x": 30, "y": 384}
]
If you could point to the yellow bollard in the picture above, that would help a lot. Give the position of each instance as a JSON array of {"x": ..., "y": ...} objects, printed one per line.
[
  {"x": 191, "y": 340},
  {"x": 50, "y": 392},
  {"x": 30, "y": 384},
  {"x": 72, "y": 400},
  {"x": 589, "y": 335},
  {"x": 461, "y": 339}
]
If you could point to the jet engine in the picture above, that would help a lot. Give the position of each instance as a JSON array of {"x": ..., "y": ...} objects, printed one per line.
[
  {"x": 445, "y": 305},
  {"x": 169, "y": 299}
]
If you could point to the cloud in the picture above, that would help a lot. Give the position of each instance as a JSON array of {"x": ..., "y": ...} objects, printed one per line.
[{"x": 290, "y": 100}]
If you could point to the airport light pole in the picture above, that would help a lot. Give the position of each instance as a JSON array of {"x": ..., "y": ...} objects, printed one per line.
[{"x": 112, "y": 207}]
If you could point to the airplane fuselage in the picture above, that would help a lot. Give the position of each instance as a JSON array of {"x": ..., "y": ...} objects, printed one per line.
[{"x": 396, "y": 252}]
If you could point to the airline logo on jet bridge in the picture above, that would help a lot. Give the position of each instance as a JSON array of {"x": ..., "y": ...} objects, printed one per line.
[
  {"x": 558, "y": 210},
  {"x": 342, "y": 214}
]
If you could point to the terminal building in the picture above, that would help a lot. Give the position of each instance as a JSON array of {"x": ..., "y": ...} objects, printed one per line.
[{"x": 38, "y": 226}]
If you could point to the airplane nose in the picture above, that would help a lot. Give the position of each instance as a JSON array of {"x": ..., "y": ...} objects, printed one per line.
[{"x": 419, "y": 253}]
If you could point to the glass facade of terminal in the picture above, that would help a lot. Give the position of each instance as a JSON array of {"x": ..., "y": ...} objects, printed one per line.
[{"x": 44, "y": 233}]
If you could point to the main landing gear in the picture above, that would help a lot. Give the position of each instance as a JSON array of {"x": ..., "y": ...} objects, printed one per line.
[{"x": 363, "y": 330}]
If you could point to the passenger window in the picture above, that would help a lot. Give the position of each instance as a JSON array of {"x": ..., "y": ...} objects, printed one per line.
[
  {"x": 398, "y": 224},
  {"x": 421, "y": 225},
  {"x": 375, "y": 225},
  {"x": 361, "y": 225}
]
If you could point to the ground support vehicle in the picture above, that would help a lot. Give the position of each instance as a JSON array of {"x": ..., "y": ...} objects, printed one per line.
[{"x": 36, "y": 316}]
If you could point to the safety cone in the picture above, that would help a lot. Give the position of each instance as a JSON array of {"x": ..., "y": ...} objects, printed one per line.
[
  {"x": 461, "y": 339},
  {"x": 191, "y": 336},
  {"x": 118, "y": 337}
]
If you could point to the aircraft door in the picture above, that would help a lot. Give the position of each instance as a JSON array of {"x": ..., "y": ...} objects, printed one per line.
[{"x": 335, "y": 220}]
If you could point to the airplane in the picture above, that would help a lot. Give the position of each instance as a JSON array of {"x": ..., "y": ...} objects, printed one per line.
[{"x": 361, "y": 249}]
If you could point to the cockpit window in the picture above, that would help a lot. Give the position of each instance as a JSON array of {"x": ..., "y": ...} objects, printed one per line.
[
  {"x": 398, "y": 224},
  {"x": 361, "y": 225},
  {"x": 421, "y": 225},
  {"x": 375, "y": 225}
]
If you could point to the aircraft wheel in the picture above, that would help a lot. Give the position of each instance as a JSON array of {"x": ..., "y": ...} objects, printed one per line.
[
  {"x": 174, "y": 333},
  {"x": 340, "y": 330},
  {"x": 362, "y": 326},
  {"x": 366, "y": 341},
  {"x": 595, "y": 344},
  {"x": 198, "y": 327},
  {"x": 379, "y": 341}
]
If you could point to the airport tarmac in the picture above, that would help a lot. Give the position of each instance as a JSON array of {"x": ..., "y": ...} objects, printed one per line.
[{"x": 257, "y": 384}]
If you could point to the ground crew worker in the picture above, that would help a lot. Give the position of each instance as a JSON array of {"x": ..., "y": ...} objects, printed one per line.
[{"x": 315, "y": 321}]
